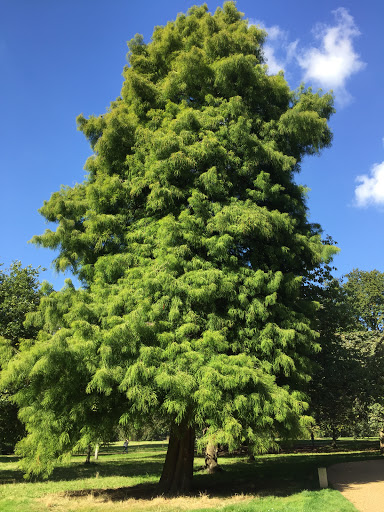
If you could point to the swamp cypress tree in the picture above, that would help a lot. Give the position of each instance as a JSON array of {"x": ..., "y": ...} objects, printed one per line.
[{"x": 191, "y": 237}]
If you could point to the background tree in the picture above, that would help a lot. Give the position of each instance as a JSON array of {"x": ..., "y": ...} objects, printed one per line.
[
  {"x": 19, "y": 294},
  {"x": 365, "y": 293},
  {"x": 191, "y": 237},
  {"x": 337, "y": 380},
  {"x": 346, "y": 388}
]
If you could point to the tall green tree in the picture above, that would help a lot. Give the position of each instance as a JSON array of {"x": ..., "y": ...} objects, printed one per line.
[
  {"x": 191, "y": 237},
  {"x": 19, "y": 295}
]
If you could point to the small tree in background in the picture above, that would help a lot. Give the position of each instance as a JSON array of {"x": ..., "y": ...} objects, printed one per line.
[
  {"x": 19, "y": 295},
  {"x": 191, "y": 237},
  {"x": 365, "y": 293},
  {"x": 337, "y": 380}
]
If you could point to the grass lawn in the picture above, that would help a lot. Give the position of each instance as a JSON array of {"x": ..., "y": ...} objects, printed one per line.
[{"x": 121, "y": 482}]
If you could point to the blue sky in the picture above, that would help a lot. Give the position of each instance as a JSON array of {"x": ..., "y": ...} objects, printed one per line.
[{"x": 62, "y": 58}]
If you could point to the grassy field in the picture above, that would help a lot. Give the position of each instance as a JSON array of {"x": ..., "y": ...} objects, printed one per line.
[{"x": 119, "y": 482}]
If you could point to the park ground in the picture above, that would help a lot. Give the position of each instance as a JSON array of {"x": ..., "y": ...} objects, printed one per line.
[{"x": 117, "y": 481}]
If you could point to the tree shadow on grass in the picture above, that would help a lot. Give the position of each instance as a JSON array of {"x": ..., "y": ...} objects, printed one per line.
[
  {"x": 214, "y": 486},
  {"x": 277, "y": 475},
  {"x": 11, "y": 476},
  {"x": 4, "y": 459},
  {"x": 80, "y": 471},
  {"x": 213, "y": 489},
  {"x": 267, "y": 476},
  {"x": 125, "y": 468},
  {"x": 326, "y": 446}
]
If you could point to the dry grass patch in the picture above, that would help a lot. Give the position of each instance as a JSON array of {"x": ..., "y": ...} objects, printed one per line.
[{"x": 101, "y": 503}]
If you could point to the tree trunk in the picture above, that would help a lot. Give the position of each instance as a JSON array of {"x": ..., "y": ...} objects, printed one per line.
[
  {"x": 251, "y": 456},
  {"x": 96, "y": 452},
  {"x": 211, "y": 464},
  {"x": 312, "y": 440},
  {"x": 381, "y": 437},
  {"x": 334, "y": 438},
  {"x": 88, "y": 458},
  {"x": 177, "y": 472}
]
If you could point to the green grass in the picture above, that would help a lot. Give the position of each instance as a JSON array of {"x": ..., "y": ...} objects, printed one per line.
[{"x": 280, "y": 482}]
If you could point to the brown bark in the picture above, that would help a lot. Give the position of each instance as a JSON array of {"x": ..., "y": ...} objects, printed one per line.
[
  {"x": 381, "y": 438},
  {"x": 88, "y": 459},
  {"x": 251, "y": 456},
  {"x": 211, "y": 464},
  {"x": 177, "y": 472}
]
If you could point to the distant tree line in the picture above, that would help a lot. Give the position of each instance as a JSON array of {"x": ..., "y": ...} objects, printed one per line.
[{"x": 346, "y": 389}]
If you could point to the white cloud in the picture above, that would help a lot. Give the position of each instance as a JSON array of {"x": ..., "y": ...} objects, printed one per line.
[
  {"x": 278, "y": 51},
  {"x": 327, "y": 63},
  {"x": 371, "y": 188},
  {"x": 274, "y": 65},
  {"x": 331, "y": 64},
  {"x": 275, "y": 32}
]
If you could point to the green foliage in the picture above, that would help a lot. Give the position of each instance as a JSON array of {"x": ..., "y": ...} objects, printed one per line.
[
  {"x": 369, "y": 409},
  {"x": 365, "y": 292},
  {"x": 366, "y": 296},
  {"x": 191, "y": 237},
  {"x": 338, "y": 381},
  {"x": 347, "y": 386},
  {"x": 11, "y": 428},
  {"x": 19, "y": 295}
]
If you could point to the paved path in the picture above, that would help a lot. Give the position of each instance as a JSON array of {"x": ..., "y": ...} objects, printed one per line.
[{"x": 362, "y": 483}]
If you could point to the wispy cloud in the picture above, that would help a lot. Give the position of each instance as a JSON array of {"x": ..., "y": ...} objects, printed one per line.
[
  {"x": 278, "y": 50},
  {"x": 328, "y": 63},
  {"x": 371, "y": 188},
  {"x": 331, "y": 64}
]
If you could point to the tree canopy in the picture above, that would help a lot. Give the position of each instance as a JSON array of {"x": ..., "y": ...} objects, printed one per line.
[{"x": 190, "y": 235}]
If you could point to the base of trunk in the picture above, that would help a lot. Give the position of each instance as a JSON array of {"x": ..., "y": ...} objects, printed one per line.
[
  {"x": 381, "y": 438},
  {"x": 88, "y": 457},
  {"x": 211, "y": 464},
  {"x": 177, "y": 472}
]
